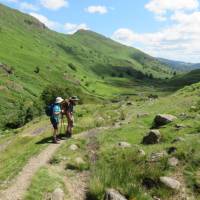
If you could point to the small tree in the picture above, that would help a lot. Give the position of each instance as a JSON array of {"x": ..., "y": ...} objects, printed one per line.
[{"x": 37, "y": 70}]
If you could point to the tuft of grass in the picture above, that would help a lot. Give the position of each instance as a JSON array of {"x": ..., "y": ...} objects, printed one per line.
[{"x": 43, "y": 184}]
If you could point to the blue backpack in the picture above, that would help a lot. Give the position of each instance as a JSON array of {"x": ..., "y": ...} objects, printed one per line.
[{"x": 49, "y": 110}]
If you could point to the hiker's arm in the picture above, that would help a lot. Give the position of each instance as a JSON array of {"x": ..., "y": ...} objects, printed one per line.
[{"x": 56, "y": 113}]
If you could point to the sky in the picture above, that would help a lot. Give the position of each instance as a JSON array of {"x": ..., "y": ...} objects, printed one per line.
[{"x": 162, "y": 28}]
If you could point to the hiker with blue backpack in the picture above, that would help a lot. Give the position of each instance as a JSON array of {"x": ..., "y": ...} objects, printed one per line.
[{"x": 54, "y": 111}]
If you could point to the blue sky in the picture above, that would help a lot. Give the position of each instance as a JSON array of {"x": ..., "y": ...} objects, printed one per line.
[{"x": 162, "y": 28}]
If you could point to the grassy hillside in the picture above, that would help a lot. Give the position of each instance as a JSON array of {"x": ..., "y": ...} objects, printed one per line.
[
  {"x": 185, "y": 79},
  {"x": 32, "y": 57}
]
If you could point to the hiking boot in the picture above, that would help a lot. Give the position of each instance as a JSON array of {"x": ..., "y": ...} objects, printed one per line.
[
  {"x": 55, "y": 141},
  {"x": 68, "y": 134}
]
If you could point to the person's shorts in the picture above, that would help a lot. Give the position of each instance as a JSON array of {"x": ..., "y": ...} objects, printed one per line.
[{"x": 54, "y": 123}]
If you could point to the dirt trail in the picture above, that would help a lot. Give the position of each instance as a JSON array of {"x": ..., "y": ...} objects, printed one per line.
[{"x": 20, "y": 185}]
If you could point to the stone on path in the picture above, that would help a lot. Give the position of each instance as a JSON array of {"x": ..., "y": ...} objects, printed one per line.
[
  {"x": 112, "y": 194},
  {"x": 170, "y": 182},
  {"x": 58, "y": 194}
]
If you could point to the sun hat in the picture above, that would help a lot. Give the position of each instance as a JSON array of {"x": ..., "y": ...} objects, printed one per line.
[
  {"x": 59, "y": 100},
  {"x": 74, "y": 98}
]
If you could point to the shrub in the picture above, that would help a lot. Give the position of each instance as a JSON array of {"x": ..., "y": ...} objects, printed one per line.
[
  {"x": 37, "y": 70},
  {"x": 50, "y": 93},
  {"x": 72, "y": 66}
]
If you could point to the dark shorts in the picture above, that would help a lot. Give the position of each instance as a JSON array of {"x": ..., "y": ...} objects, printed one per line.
[{"x": 54, "y": 123}]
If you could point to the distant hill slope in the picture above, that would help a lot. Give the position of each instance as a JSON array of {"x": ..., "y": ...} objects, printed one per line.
[
  {"x": 32, "y": 57},
  {"x": 186, "y": 79},
  {"x": 180, "y": 66}
]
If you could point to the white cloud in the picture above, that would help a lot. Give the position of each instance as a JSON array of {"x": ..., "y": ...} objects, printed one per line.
[
  {"x": 161, "y": 7},
  {"x": 28, "y": 6},
  {"x": 13, "y": 1},
  {"x": 179, "y": 41},
  {"x": 97, "y": 9},
  {"x": 54, "y": 4},
  {"x": 72, "y": 28},
  {"x": 50, "y": 24}
]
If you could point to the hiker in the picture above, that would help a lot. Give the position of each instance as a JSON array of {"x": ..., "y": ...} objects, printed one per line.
[
  {"x": 55, "y": 117},
  {"x": 68, "y": 108}
]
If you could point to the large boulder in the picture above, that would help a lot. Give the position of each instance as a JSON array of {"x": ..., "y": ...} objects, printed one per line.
[
  {"x": 153, "y": 137},
  {"x": 170, "y": 182},
  {"x": 112, "y": 194},
  {"x": 58, "y": 194},
  {"x": 163, "y": 119}
]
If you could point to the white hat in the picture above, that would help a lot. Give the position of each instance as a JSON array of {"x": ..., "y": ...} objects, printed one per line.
[{"x": 59, "y": 100}]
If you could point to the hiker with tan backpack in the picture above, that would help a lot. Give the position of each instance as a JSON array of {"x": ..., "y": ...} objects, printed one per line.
[{"x": 68, "y": 110}]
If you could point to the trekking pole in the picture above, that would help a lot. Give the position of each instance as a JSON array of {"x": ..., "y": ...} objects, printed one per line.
[{"x": 61, "y": 124}]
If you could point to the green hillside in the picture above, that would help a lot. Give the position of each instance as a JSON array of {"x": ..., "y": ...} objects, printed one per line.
[{"x": 32, "y": 57}]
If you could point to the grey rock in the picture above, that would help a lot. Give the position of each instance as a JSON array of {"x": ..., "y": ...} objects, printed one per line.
[
  {"x": 129, "y": 103},
  {"x": 170, "y": 182},
  {"x": 153, "y": 137},
  {"x": 58, "y": 194},
  {"x": 156, "y": 198},
  {"x": 157, "y": 156},
  {"x": 73, "y": 147},
  {"x": 193, "y": 108},
  {"x": 180, "y": 126},
  {"x": 173, "y": 162},
  {"x": 163, "y": 119},
  {"x": 178, "y": 139},
  {"x": 112, "y": 194},
  {"x": 79, "y": 161},
  {"x": 171, "y": 150},
  {"x": 141, "y": 152},
  {"x": 124, "y": 144},
  {"x": 139, "y": 115}
]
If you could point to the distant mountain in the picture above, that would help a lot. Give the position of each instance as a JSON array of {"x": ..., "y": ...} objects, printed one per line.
[{"x": 180, "y": 66}]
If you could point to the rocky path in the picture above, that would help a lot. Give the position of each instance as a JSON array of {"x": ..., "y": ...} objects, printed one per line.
[{"x": 21, "y": 183}]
